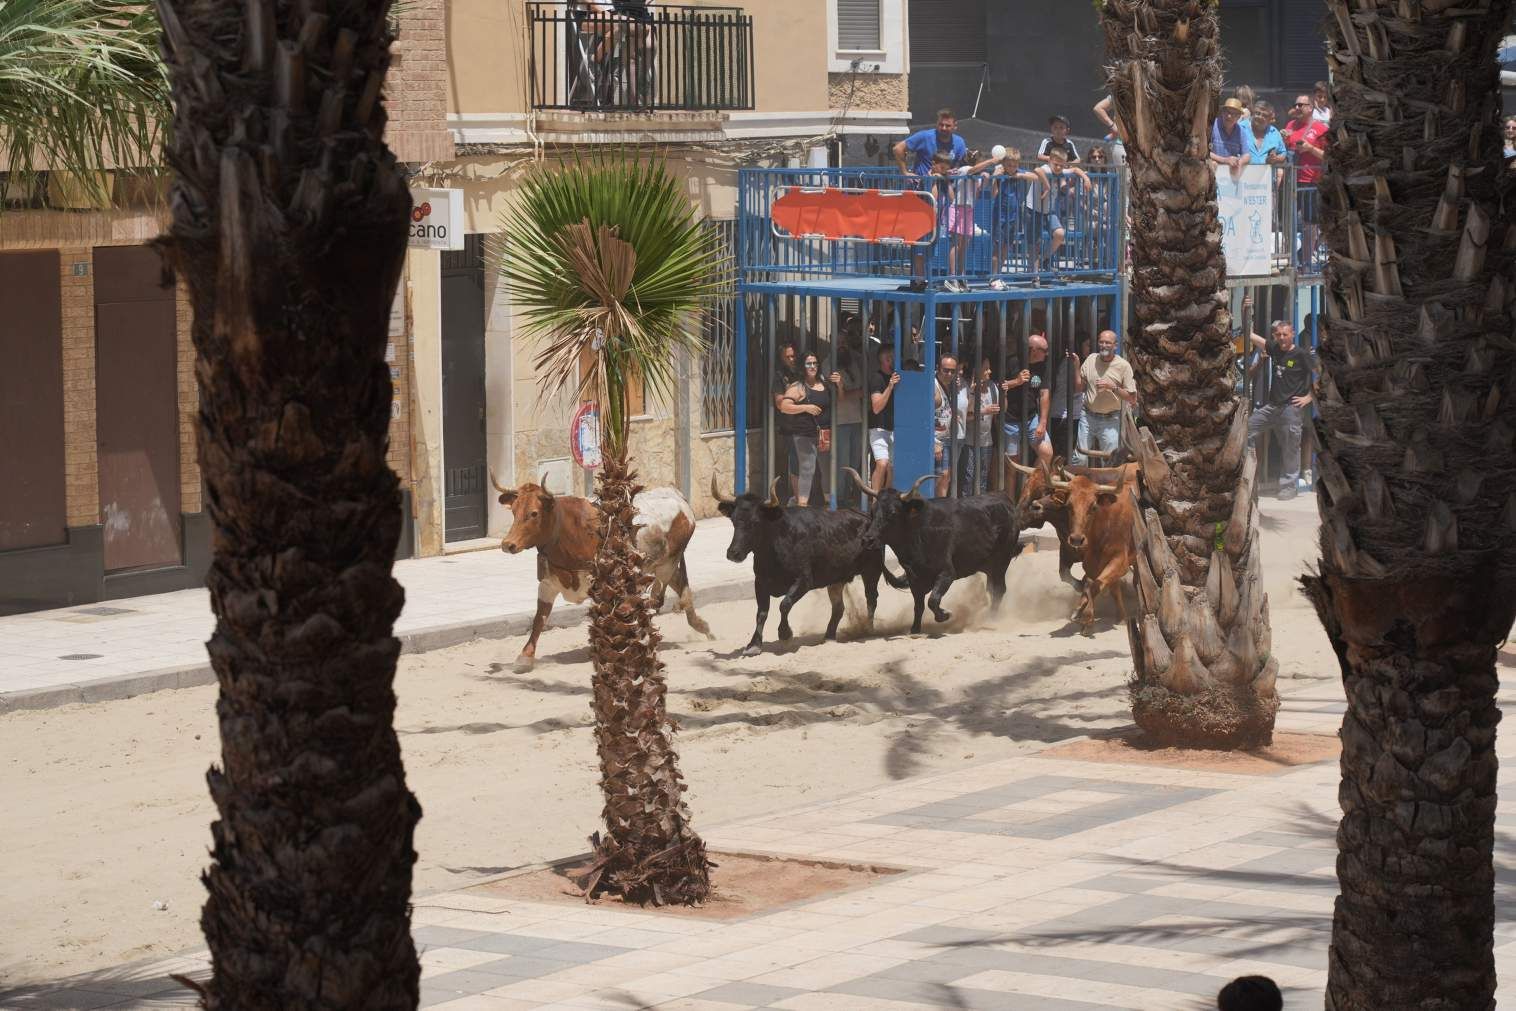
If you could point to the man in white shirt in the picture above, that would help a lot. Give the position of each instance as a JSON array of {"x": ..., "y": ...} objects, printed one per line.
[{"x": 1109, "y": 386}]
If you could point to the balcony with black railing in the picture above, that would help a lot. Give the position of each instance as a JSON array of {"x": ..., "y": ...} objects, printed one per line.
[{"x": 647, "y": 58}]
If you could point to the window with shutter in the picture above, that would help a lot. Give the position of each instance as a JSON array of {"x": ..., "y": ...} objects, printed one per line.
[
  {"x": 858, "y": 25},
  {"x": 948, "y": 31}
]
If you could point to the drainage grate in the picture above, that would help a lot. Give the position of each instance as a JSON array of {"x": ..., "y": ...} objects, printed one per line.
[
  {"x": 81, "y": 656},
  {"x": 104, "y": 612}
]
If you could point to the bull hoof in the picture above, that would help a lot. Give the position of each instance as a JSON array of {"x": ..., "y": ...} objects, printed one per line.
[
  {"x": 523, "y": 664},
  {"x": 943, "y": 615},
  {"x": 785, "y": 633},
  {"x": 752, "y": 650}
]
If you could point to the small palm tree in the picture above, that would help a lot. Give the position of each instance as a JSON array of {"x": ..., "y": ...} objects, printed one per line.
[
  {"x": 608, "y": 266},
  {"x": 81, "y": 87}
]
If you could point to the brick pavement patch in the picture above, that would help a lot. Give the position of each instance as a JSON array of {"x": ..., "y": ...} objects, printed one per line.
[
  {"x": 746, "y": 884},
  {"x": 1127, "y": 748}
]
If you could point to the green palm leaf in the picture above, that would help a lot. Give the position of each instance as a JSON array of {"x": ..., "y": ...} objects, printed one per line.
[
  {"x": 81, "y": 85},
  {"x": 607, "y": 264}
]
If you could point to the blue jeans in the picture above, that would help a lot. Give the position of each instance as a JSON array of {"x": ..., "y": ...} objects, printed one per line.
[
  {"x": 974, "y": 468},
  {"x": 1100, "y": 432}
]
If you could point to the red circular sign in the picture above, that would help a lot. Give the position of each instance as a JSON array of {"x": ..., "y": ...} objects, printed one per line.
[{"x": 584, "y": 436}]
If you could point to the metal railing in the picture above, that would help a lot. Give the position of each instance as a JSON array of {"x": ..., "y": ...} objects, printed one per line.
[
  {"x": 657, "y": 57},
  {"x": 987, "y": 228}
]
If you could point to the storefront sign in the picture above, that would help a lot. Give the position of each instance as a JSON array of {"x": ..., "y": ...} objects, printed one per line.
[
  {"x": 1245, "y": 204},
  {"x": 436, "y": 219},
  {"x": 584, "y": 436}
]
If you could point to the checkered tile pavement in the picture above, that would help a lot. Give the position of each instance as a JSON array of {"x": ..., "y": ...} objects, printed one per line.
[{"x": 1034, "y": 882}]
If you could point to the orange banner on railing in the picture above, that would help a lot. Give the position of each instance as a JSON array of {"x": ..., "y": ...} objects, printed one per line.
[{"x": 859, "y": 215}]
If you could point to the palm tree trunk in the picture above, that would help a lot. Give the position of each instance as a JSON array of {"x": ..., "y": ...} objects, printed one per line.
[
  {"x": 1201, "y": 645},
  {"x": 649, "y": 852},
  {"x": 1417, "y": 494},
  {"x": 289, "y": 221}
]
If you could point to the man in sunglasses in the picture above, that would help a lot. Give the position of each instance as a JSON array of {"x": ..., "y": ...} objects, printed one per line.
[{"x": 1306, "y": 139}]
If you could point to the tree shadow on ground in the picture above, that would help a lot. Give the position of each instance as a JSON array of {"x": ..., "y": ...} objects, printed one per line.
[
  {"x": 110, "y": 987},
  {"x": 790, "y": 699}
]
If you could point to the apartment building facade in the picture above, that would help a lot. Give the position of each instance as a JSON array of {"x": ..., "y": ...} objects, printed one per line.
[{"x": 97, "y": 390}]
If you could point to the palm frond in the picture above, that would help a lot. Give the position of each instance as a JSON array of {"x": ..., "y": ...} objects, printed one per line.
[
  {"x": 81, "y": 85},
  {"x": 606, "y": 262}
]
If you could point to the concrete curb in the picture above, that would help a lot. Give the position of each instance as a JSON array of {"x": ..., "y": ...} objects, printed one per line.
[{"x": 124, "y": 686}]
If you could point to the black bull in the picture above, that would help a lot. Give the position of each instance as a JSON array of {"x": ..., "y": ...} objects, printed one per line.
[
  {"x": 942, "y": 540},
  {"x": 797, "y": 550}
]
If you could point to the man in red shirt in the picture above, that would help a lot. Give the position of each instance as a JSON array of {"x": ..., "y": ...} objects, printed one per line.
[{"x": 1306, "y": 140}]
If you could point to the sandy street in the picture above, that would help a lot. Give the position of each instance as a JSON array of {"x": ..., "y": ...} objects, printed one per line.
[{"x": 107, "y": 811}]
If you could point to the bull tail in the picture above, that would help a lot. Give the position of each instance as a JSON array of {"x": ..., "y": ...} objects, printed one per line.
[{"x": 898, "y": 582}]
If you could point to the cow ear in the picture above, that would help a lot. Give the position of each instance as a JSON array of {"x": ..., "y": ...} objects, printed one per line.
[
  {"x": 507, "y": 497},
  {"x": 771, "y": 512},
  {"x": 915, "y": 505},
  {"x": 1105, "y": 498},
  {"x": 726, "y": 508}
]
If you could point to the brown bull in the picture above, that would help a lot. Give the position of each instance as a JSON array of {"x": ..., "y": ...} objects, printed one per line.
[
  {"x": 565, "y": 530},
  {"x": 1100, "y": 525},
  {"x": 1039, "y": 502}
]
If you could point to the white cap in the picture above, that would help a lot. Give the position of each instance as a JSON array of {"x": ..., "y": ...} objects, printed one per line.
[{"x": 997, "y": 152}]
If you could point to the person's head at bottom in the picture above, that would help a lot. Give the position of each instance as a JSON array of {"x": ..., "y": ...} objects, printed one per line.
[{"x": 1250, "y": 993}]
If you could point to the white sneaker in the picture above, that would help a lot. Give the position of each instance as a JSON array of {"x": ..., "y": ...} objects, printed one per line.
[{"x": 999, "y": 285}]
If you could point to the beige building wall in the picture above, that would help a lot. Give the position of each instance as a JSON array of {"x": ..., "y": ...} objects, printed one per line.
[{"x": 487, "y": 72}]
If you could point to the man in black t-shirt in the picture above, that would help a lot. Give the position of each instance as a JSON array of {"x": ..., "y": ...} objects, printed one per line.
[
  {"x": 1290, "y": 376},
  {"x": 882, "y": 416},
  {"x": 1027, "y": 383}
]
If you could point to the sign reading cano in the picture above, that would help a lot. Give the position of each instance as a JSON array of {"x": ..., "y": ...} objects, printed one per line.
[{"x": 436, "y": 219}]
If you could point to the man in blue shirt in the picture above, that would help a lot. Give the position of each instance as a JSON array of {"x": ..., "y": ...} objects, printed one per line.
[
  {"x": 1265, "y": 143},
  {"x": 914, "y": 154},
  {"x": 1229, "y": 145}
]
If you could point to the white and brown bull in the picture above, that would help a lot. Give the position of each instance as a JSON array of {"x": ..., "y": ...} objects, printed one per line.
[{"x": 565, "y": 530}]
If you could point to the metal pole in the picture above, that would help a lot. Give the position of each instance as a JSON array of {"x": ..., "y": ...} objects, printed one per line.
[
  {"x": 771, "y": 356},
  {"x": 836, "y": 398},
  {"x": 997, "y": 432},
  {"x": 740, "y": 368},
  {"x": 950, "y": 447}
]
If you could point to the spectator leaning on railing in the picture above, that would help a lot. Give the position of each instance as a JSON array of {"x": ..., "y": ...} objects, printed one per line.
[
  {"x": 1005, "y": 202},
  {"x": 1306, "y": 138},
  {"x": 1229, "y": 142},
  {"x": 1510, "y": 142},
  {"x": 915, "y": 155}
]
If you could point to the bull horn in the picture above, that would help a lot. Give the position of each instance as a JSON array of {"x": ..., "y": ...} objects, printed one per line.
[
  {"x": 1107, "y": 489},
  {"x": 862, "y": 485},
  {"x": 716, "y": 493},
  {"x": 1028, "y": 471},
  {"x": 915, "y": 491},
  {"x": 1062, "y": 480},
  {"x": 774, "y": 493},
  {"x": 502, "y": 489}
]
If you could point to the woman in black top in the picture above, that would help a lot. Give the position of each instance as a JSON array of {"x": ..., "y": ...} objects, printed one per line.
[{"x": 809, "y": 402}]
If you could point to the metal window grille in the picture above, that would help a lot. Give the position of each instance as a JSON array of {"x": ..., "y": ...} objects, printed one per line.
[
  {"x": 858, "y": 25},
  {"x": 720, "y": 326}
]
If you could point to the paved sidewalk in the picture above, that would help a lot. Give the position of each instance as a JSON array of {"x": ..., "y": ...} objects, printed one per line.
[
  {"x": 119, "y": 648},
  {"x": 1037, "y": 882}
]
